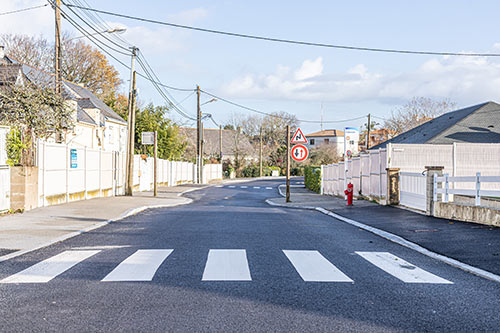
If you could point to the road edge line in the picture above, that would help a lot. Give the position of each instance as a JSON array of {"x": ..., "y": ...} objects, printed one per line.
[{"x": 401, "y": 241}]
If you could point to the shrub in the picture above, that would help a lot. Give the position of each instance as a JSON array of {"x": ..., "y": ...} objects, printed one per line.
[{"x": 312, "y": 178}]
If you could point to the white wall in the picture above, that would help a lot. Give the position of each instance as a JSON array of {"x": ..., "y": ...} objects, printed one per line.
[{"x": 337, "y": 141}]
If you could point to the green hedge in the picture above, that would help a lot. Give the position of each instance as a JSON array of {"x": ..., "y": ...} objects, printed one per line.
[
  {"x": 312, "y": 178},
  {"x": 254, "y": 171}
]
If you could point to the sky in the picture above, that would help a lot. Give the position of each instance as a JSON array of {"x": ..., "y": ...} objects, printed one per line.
[{"x": 313, "y": 83}]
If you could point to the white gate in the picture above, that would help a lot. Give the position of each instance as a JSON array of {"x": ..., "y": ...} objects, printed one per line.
[
  {"x": 412, "y": 190},
  {"x": 4, "y": 171}
]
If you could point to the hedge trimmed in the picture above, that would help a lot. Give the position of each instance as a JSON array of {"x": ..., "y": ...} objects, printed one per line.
[{"x": 312, "y": 178}]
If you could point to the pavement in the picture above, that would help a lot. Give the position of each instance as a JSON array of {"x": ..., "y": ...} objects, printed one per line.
[
  {"x": 21, "y": 233},
  {"x": 229, "y": 262},
  {"x": 470, "y": 243}
]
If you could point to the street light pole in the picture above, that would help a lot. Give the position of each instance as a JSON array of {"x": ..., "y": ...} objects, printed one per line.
[
  {"x": 198, "y": 136},
  {"x": 131, "y": 126}
]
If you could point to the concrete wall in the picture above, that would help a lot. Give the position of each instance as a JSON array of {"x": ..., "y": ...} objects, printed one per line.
[
  {"x": 23, "y": 188},
  {"x": 467, "y": 213}
]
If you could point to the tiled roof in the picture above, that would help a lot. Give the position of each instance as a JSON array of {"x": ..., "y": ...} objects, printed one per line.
[
  {"x": 478, "y": 124},
  {"x": 83, "y": 116},
  {"x": 332, "y": 132},
  {"x": 9, "y": 73}
]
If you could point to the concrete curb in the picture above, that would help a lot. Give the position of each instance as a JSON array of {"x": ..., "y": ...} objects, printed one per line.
[
  {"x": 401, "y": 241},
  {"x": 128, "y": 213}
]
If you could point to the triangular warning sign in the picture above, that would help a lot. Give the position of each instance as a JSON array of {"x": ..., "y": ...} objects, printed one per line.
[{"x": 299, "y": 137}]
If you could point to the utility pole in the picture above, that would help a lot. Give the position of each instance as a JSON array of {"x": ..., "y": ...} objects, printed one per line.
[
  {"x": 198, "y": 140},
  {"x": 155, "y": 186},
  {"x": 131, "y": 126},
  {"x": 287, "y": 163},
  {"x": 201, "y": 153},
  {"x": 368, "y": 132},
  {"x": 220, "y": 143},
  {"x": 260, "y": 153},
  {"x": 58, "y": 54}
]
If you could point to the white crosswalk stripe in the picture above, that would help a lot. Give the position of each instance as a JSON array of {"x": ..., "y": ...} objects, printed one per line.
[
  {"x": 231, "y": 186},
  {"x": 256, "y": 187},
  {"x": 140, "y": 266},
  {"x": 269, "y": 188},
  {"x": 400, "y": 268},
  {"x": 313, "y": 267},
  {"x": 222, "y": 265},
  {"x": 243, "y": 186},
  {"x": 227, "y": 265},
  {"x": 48, "y": 269}
]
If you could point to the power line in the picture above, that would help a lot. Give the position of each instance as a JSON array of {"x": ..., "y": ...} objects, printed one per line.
[
  {"x": 289, "y": 41},
  {"x": 23, "y": 10},
  {"x": 275, "y": 115}
]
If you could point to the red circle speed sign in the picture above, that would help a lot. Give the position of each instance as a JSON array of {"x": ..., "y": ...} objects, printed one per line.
[{"x": 300, "y": 153}]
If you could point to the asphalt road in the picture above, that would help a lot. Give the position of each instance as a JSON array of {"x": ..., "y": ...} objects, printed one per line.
[{"x": 228, "y": 262}]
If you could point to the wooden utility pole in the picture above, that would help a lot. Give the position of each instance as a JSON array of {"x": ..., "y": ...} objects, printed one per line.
[
  {"x": 201, "y": 153},
  {"x": 288, "y": 163},
  {"x": 260, "y": 153},
  {"x": 368, "y": 132},
  {"x": 131, "y": 127},
  {"x": 58, "y": 55},
  {"x": 155, "y": 186},
  {"x": 198, "y": 136},
  {"x": 220, "y": 143}
]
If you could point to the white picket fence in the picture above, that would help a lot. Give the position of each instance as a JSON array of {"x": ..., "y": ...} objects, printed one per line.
[
  {"x": 478, "y": 183},
  {"x": 4, "y": 171}
]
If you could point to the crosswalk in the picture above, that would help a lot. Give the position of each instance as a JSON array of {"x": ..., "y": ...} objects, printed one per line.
[{"x": 225, "y": 265}]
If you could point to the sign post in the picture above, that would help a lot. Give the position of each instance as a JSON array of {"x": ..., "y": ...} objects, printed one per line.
[
  {"x": 151, "y": 138},
  {"x": 351, "y": 139},
  {"x": 287, "y": 163}
]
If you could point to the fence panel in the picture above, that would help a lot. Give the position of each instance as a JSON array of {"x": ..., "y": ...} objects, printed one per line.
[
  {"x": 412, "y": 190},
  {"x": 375, "y": 190},
  {"x": 4, "y": 171},
  {"x": 365, "y": 174},
  {"x": 356, "y": 175}
]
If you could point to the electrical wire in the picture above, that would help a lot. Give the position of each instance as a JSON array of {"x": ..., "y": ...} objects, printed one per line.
[
  {"x": 23, "y": 10},
  {"x": 276, "y": 115},
  {"x": 289, "y": 41}
]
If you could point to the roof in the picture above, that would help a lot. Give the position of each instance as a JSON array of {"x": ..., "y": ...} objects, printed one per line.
[
  {"x": 382, "y": 131},
  {"x": 332, "y": 132},
  {"x": 475, "y": 124},
  {"x": 83, "y": 116},
  {"x": 70, "y": 90},
  {"x": 9, "y": 72},
  {"x": 212, "y": 143}
]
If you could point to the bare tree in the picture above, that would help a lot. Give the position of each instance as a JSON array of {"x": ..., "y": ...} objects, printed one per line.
[{"x": 416, "y": 112}]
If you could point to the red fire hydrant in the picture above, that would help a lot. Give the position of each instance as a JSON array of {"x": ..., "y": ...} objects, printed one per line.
[{"x": 349, "y": 193}]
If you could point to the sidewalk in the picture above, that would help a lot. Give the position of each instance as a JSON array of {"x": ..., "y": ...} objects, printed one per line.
[
  {"x": 21, "y": 233},
  {"x": 474, "y": 244}
]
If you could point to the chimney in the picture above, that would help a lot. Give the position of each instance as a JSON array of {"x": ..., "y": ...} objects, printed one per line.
[{"x": 2, "y": 52}]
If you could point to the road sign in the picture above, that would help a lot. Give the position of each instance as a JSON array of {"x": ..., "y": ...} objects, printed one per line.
[
  {"x": 299, "y": 137},
  {"x": 300, "y": 153},
  {"x": 348, "y": 153},
  {"x": 148, "y": 138}
]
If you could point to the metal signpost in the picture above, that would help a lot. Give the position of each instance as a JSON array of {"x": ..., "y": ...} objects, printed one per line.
[
  {"x": 351, "y": 139},
  {"x": 151, "y": 138}
]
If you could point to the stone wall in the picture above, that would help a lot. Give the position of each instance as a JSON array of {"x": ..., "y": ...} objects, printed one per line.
[
  {"x": 467, "y": 213},
  {"x": 23, "y": 188}
]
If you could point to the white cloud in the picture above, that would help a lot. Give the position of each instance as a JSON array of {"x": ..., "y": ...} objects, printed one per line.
[{"x": 462, "y": 79}]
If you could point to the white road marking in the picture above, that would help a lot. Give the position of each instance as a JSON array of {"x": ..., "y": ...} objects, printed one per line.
[
  {"x": 231, "y": 186},
  {"x": 227, "y": 265},
  {"x": 219, "y": 186},
  {"x": 257, "y": 187},
  {"x": 140, "y": 266},
  {"x": 269, "y": 188},
  {"x": 243, "y": 186},
  {"x": 313, "y": 267},
  {"x": 102, "y": 247},
  {"x": 400, "y": 268},
  {"x": 48, "y": 269}
]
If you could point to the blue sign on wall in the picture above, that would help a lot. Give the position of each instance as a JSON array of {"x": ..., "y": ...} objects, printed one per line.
[{"x": 74, "y": 159}]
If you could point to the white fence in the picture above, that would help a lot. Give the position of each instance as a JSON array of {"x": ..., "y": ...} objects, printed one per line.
[
  {"x": 4, "y": 171},
  {"x": 413, "y": 190},
  {"x": 478, "y": 183},
  {"x": 69, "y": 174},
  {"x": 367, "y": 173}
]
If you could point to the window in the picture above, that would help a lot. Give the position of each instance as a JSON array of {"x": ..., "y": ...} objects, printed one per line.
[
  {"x": 311, "y": 142},
  {"x": 327, "y": 141}
]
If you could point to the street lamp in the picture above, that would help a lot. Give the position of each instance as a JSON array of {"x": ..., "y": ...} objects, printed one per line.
[
  {"x": 200, "y": 135},
  {"x": 109, "y": 31}
]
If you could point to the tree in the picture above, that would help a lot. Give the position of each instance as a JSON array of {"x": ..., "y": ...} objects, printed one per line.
[
  {"x": 152, "y": 118},
  {"x": 324, "y": 154},
  {"x": 416, "y": 112},
  {"x": 81, "y": 63},
  {"x": 32, "y": 111}
]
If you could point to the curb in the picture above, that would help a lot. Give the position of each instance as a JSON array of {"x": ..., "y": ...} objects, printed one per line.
[
  {"x": 128, "y": 213},
  {"x": 401, "y": 241}
]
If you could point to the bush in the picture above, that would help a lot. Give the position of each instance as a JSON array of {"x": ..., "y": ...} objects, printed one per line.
[
  {"x": 251, "y": 171},
  {"x": 312, "y": 178},
  {"x": 297, "y": 171}
]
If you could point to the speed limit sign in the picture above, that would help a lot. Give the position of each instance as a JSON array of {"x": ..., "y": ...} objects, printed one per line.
[{"x": 299, "y": 153}]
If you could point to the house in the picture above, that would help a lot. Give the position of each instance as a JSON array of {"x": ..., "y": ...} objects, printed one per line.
[
  {"x": 377, "y": 136},
  {"x": 475, "y": 124},
  {"x": 96, "y": 125},
  {"x": 233, "y": 144},
  {"x": 332, "y": 137}
]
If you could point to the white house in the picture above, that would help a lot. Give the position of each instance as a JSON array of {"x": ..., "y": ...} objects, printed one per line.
[{"x": 332, "y": 137}]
